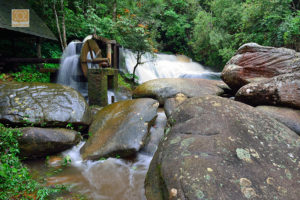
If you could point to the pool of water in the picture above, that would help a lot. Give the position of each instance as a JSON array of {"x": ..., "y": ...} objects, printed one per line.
[{"x": 108, "y": 179}]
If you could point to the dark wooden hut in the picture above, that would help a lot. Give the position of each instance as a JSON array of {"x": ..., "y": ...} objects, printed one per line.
[{"x": 10, "y": 36}]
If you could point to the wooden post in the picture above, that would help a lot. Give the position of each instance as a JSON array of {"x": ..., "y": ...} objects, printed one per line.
[
  {"x": 39, "y": 50},
  {"x": 38, "y": 47},
  {"x": 109, "y": 52},
  {"x": 116, "y": 55}
]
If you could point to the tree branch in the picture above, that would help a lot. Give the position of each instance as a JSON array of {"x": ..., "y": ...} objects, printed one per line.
[{"x": 58, "y": 27}]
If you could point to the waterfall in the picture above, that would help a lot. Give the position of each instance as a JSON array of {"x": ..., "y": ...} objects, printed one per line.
[
  {"x": 70, "y": 73},
  {"x": 163, "y": 66}
]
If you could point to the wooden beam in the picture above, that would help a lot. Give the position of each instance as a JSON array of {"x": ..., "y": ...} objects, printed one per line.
[
  {"x": 45, "y": 70},
  {"x": 108, "y": 51},
  {"x": 96, "y": 60},
  {"x": 31, "y": 60}
]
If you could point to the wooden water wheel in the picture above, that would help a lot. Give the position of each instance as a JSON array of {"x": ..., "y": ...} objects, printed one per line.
[{"x": 91, "y": 54}]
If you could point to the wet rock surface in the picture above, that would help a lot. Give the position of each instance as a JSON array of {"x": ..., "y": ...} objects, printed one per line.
[
  {"x": 217, "y": 148},
  {"x": 172, "y": 103},
  {"x": 253, "y": 62},
  {"x": 164, "y": 88},
  {"x": 120, "y": 129},
  {"x": 283, "y": 90},
  {"x": 40, "y": 142},
  {"x": 94, "y": 110},
  {"x": 288, "y": 116},
  {"x": 42, "y": 104}
]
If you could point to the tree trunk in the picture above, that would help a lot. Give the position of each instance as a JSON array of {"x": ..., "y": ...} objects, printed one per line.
[
  {"x": 63, "y": 23},
  {"x": 138, "y": 61},
  {"x": 114, "y": 14},
  {"x": 58, "y": 27}
]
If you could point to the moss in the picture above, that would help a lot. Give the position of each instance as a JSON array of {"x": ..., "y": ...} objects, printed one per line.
[{"x": 243, "y": 154}]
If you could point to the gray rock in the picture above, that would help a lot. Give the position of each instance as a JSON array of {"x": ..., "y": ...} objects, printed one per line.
[
  {"x": 39, "y": 142},
  {"x": 162, "y": 89},
  {"x": 222, "y": 149},
  {"x": 288, "y": 116},
  {"x": 120, "y": 129},
  {"x": 172, "y": 103},
  {"x": 42, "y": 104},
  {"x": 94, "y": 110}
]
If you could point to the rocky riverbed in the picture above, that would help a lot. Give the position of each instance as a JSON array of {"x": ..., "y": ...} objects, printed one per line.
[{"x": 209, "y": 147}]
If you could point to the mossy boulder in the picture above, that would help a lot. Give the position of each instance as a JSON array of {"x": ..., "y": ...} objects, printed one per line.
[
  {"x": 164, "y": 88},
  {"x": 40, "y": 142},
  {"x": 120, "y": 129},
  {"x": 42, "y": 104},
  {"x": 218, "y": 148}
]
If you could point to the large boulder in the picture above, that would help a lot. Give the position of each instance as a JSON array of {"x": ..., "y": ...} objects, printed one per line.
[
  {"x": 42, "y": 104},
  {"x": 253, "y": 62},
  {"x": 164, "y": 88},
  {"x": 39, "y": 142},
  {"x": 172, "y": 103},
  {"x": 281, "y": 90},
  {"x": 120, "y": 129},
  {"x": 222, "y": 149},
  {"x": 288, "y": 116}
]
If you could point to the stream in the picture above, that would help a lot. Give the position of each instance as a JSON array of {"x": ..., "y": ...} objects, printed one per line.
[
  {"x": 108, "y": 179},
  {"x": 113, "y": 178}
]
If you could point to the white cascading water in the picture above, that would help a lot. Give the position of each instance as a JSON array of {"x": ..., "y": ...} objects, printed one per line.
[
  {"x": 70, "y": 73},
  {"x": 113, "y": 178},
  {"x": 163, "y": 66}
]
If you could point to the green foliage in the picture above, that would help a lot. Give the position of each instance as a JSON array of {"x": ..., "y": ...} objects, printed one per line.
[
  {"x": 51, "y": 50},
  {"x": 15, "y": 180},
  {"x": 123, "y": 82},
  {"x": 227, "y": 24},
  {"x": 176, "y": 22},
  {"x": 132, "y": 34},
  {"x": 102, "y": 159},
  {"x": 29, "y": 73},
  {"x": 131, "y": 76},
  {"x": 208, "y": 31},
  {"x": 70, "y": 126},
  {"x": 66, "y": 161}
]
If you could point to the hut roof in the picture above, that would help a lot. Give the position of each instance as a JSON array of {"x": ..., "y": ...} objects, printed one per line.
[{"x": 37, "y": 27}]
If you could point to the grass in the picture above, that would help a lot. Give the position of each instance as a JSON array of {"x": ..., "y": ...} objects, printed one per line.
[
  {"x": 15, "y": 181},
  {"x": 123, "y": 82},
  {"x": 28, "y": 73}
]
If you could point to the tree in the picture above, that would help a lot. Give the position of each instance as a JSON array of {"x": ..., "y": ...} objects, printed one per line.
[{"x": 131, "y": 34}]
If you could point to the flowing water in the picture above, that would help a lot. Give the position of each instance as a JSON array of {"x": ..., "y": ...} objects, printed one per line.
[
  {"x": 113, "y": 179},
  {"x": 110, "y": 179},
  {"x": 163, "y": 66},
  {"x": 70, "y": 73}
]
